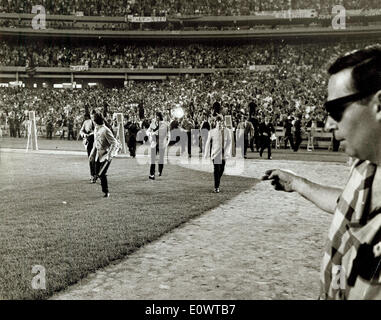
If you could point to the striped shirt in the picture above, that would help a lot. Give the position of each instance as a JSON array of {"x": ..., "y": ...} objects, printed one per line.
[{"x": 348, "y": 260}]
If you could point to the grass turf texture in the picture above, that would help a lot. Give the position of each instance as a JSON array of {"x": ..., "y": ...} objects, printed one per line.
[{"x": 87, "y": 232}]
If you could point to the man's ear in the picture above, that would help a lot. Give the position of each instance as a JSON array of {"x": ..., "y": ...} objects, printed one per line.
[{"x": 377, "y": 106}]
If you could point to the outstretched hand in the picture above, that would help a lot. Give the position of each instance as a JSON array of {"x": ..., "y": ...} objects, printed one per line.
[{"x": 282, "y": 180}]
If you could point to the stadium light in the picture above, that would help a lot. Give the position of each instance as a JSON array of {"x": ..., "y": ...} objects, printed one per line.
[{"x": 178, "y": 112}]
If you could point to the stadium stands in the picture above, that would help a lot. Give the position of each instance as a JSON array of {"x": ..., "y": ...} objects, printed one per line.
[
  {"x": 177, "y": 7},
  {"x": 282, "y": 78},
  {"x": 187, "y": 15},
  {"x": 196, "y": 55},
  {"x": 295, "y": 86},
  {"x": 274, "y": 93},
  {"x": 125, "y": 15}
]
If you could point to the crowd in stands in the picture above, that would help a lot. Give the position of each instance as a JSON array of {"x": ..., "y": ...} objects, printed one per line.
[
  {"x": 295, "y": 87},
  {"x": 278, "y": 94},
  {"x": 163, "y": 56},
  {"x": 176, "y": 7}
]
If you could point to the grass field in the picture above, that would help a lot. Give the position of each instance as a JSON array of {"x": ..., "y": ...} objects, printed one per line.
[{"x": 51, "y": 216}]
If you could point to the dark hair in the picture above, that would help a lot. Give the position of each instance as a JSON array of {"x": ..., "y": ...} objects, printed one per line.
[
  {"x": 366, "y": 64},
  {"x": 219, "y": 118},
  {"x": 216, "y": 108},
  {"x": 87, "y": 116},
  {"x": 98, "y": 119},
  {"x": 159, "y": 115}
]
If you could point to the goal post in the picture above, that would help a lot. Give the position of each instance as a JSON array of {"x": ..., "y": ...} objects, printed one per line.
[
  {"x": 120, "y": 132},
  {"x": 32, "y": 132}
]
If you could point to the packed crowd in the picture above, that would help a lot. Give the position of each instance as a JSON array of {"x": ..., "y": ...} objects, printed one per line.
[
  {"x": 295, "y": 87},
  {"x": 176, "y": 56},
  {"x": 278, "y": 94},
  {"x": 175, "y": 7}
]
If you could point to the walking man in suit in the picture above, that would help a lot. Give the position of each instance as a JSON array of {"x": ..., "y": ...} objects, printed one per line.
[
  {"x": 266, "y": 129},
  {"x": 220, "y": 138},
  {"x": 187, "y": 125},
  {"x": 159, "y": 136},
  {"x": 105, "y": 145},
  {"x": 246, "y": 128},
  {"x": 87, "y": 133},
  {"x": 132, "y": 128}
]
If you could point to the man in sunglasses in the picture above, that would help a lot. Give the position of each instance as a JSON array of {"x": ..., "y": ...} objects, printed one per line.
[{"x": 352, "y": 260}]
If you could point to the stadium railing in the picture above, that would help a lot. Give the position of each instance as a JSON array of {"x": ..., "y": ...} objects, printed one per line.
[
  {"x": 200, "y": 35},
  {"x": 71, "y": 74},
  {"x": 322, "y": 139},
  {"x": 272, "y": 18}
]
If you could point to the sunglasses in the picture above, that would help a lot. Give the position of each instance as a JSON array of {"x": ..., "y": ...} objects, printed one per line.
[{"x": 336, "y": 107}]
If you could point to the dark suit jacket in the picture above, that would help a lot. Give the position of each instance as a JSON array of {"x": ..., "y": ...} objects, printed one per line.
[{"x": 266, "y": 130}]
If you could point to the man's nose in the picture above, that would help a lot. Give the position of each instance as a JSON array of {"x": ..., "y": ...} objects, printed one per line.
[{"x": 330, "y": 125}]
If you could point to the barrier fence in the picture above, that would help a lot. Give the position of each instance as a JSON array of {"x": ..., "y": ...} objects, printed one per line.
[{"x": 318, "y": 140}]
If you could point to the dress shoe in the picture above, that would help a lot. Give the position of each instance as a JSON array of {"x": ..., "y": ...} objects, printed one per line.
[{"x": 152, "y": 177}]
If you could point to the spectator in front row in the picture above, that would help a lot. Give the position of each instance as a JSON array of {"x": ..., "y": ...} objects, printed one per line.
[
  {"x": 70, "y": 126},
  {"x": 297, "y": 128},
  {"x": 288, "y": 136},
  {"x": 49, "y": 127}
]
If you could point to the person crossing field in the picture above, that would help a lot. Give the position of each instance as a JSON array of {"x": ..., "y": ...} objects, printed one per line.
[{"x": 105, "y": 145}]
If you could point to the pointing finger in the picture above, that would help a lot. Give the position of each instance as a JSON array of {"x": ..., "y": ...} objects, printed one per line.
[
  {"x": 274, "y": 175},
  {"x": 268, "y": 172},
  {"x": 267, "y": 175}
]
